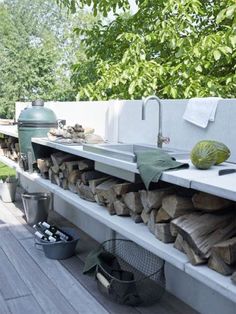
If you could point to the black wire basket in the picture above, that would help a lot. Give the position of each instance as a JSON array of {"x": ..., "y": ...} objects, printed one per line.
[{"x": 133, "y": 276}]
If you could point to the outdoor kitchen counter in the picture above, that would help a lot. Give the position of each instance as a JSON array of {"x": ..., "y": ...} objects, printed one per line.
[
  {"x": 138, "y": 232},
  {"x": 10, "y": 130},
  {"x": 201, "y": 180}
]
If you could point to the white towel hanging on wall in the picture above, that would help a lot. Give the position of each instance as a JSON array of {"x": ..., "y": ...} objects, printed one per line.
[{"x": 200, "y": 111}]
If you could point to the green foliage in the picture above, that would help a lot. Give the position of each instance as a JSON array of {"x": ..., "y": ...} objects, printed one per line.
[
  {"x": 6, "y": 171},
  {"x": 37, "y": 50},
  {"x": 172, "y": 48}
]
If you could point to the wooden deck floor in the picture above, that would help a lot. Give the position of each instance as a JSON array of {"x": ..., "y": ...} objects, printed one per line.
[{"x": 31, "y": 283}]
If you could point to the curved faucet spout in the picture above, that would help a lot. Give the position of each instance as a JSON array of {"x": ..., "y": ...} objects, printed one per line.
[{"x": 160, "y": 138}]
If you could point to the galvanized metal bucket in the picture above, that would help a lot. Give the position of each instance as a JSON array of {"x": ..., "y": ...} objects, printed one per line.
[
  {"x": 8, "y": 191},
  {"x": 36, "y": 206}
]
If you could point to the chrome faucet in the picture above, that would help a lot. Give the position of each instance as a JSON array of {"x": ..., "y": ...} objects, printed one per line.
[{"x": 160, "y": 139}]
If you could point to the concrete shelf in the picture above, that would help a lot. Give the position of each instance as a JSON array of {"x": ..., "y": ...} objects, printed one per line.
[
  {"x": 137, "y": 233},
  {"x": 10, "y": 130}
]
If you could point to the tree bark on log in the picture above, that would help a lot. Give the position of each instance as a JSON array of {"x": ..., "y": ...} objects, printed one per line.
[
  {"x": 210, "y": 203},
  {"x": 136, "y": 217},
  {"x": 226, "y": 250},
  {"x": 133, "y": 202},
  {"x": 152, "y": 221},
  {"x": 162, "y": 216},
  {"x": 153, "y": 199},
  {"x": 233, "y": 278},
  {"x": 162, "y": 232},
  {"x": 145, "y": 217},
  {"x": 59, "y": 157},
  {"x": 192, "y": 256},
  {"x": 94, "y": 183},
  {"x": 85, "y": 164},
  {"x": 121, "y": 209},
  {"x": 86, "y": 176},
  {"x": 43, "y": 164},
  {"x": 176, "y": 205},
  {"x": 85, "y": 192},
  {"x": 203, "y": 231},
  {"x": 179, "y": 243},
  {"x": 216, "y": 263},
  {"x": 126, "y": 187}
]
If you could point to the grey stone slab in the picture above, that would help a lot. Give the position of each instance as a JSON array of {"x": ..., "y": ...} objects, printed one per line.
[
  {"x": 11, "y": 284},
  {"x": 24, "y": 305}
]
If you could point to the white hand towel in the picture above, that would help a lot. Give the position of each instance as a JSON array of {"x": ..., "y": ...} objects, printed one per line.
[{"x": 200, "y": 111}]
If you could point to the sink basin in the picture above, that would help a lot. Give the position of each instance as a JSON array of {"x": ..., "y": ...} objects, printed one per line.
[{"x": 126, "y": 152}]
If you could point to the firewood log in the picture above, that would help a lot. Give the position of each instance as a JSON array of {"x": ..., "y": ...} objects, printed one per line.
[
  {"x": 162, "y": 232},
  {"x": 126, "y": 187},
  {"x": 192, "y": 256},
  {"x": 135, "y": 217},
  {"x": 94, "y": 183},
  {"x": 68, "y": 166},
  {"x": 91, "y": 175},
  {"x": 42, "y": 165},
  {"x": 226, "y": 250},
  {"x": 153, "y": 199},
  {"x": 202, "y": 230},
  {"x": 120, "y": 208},
  {"x": 51, "y": 176},
  {"x": 216, "y": 263},
  {"x": 57, "y": 179},
  {"x": 179, "y": 243},
  {"x": 59, "y": 157},
  {"x": 55, "y": 169},
  {"x": 162, "y": 216},
  {"x": 176, "y": 205},
  {"x": 73, "y": 177},
  {"x": 209, "y": 203},
  {"x": 152, "y": 221},
  {"x": 233, "y": 278},
  {"x": 104, "y": 191},
  {"x": 133, "y": 202},
  {"x": 17, "y": 147},
  {"x": 145, "y": 217},
  {"x": 110, "y": 208},
  {"x": 64, "y": 184},
  {"x": 85, "y": 192},
  {"x": 85, "y": 164}
]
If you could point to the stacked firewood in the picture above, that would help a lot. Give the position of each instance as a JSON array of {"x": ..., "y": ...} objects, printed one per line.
[
  {"x": 9, "y": 147},
  {"x": 206, "y": 234},
  {"x": 74, "y": 134},
  {"x": 201, "y": 225}
]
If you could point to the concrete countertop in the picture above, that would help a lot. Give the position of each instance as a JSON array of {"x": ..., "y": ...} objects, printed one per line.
[
  {"x": 202, "y": 180},
  {"x": 10, "y": 130}
]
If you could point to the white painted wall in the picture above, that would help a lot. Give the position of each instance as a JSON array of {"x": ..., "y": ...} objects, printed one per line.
[{"x": 120, "y": 121}]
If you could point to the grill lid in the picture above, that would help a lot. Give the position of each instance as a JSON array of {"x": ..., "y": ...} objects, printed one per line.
[{"x": 37, "y": 115}]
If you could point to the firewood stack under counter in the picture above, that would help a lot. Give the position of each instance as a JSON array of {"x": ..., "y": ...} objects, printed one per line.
[
  {"x": 201, "y": 225},
  {"x": 9, "y": 147}
]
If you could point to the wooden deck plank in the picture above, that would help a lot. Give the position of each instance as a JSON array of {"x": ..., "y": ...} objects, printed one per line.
[
  {"x": 23, "y": 305},
  {"x": 71, "y": 289},
  {"x": 44, "y": 291},
  {"x": 17, "y": 228},
  {"x": 11, "y": 284},
  {"x": 3, "y": 306}
]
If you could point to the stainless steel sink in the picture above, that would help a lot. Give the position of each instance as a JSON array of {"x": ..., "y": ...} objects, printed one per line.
[{"x": 126, "y": 152}]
